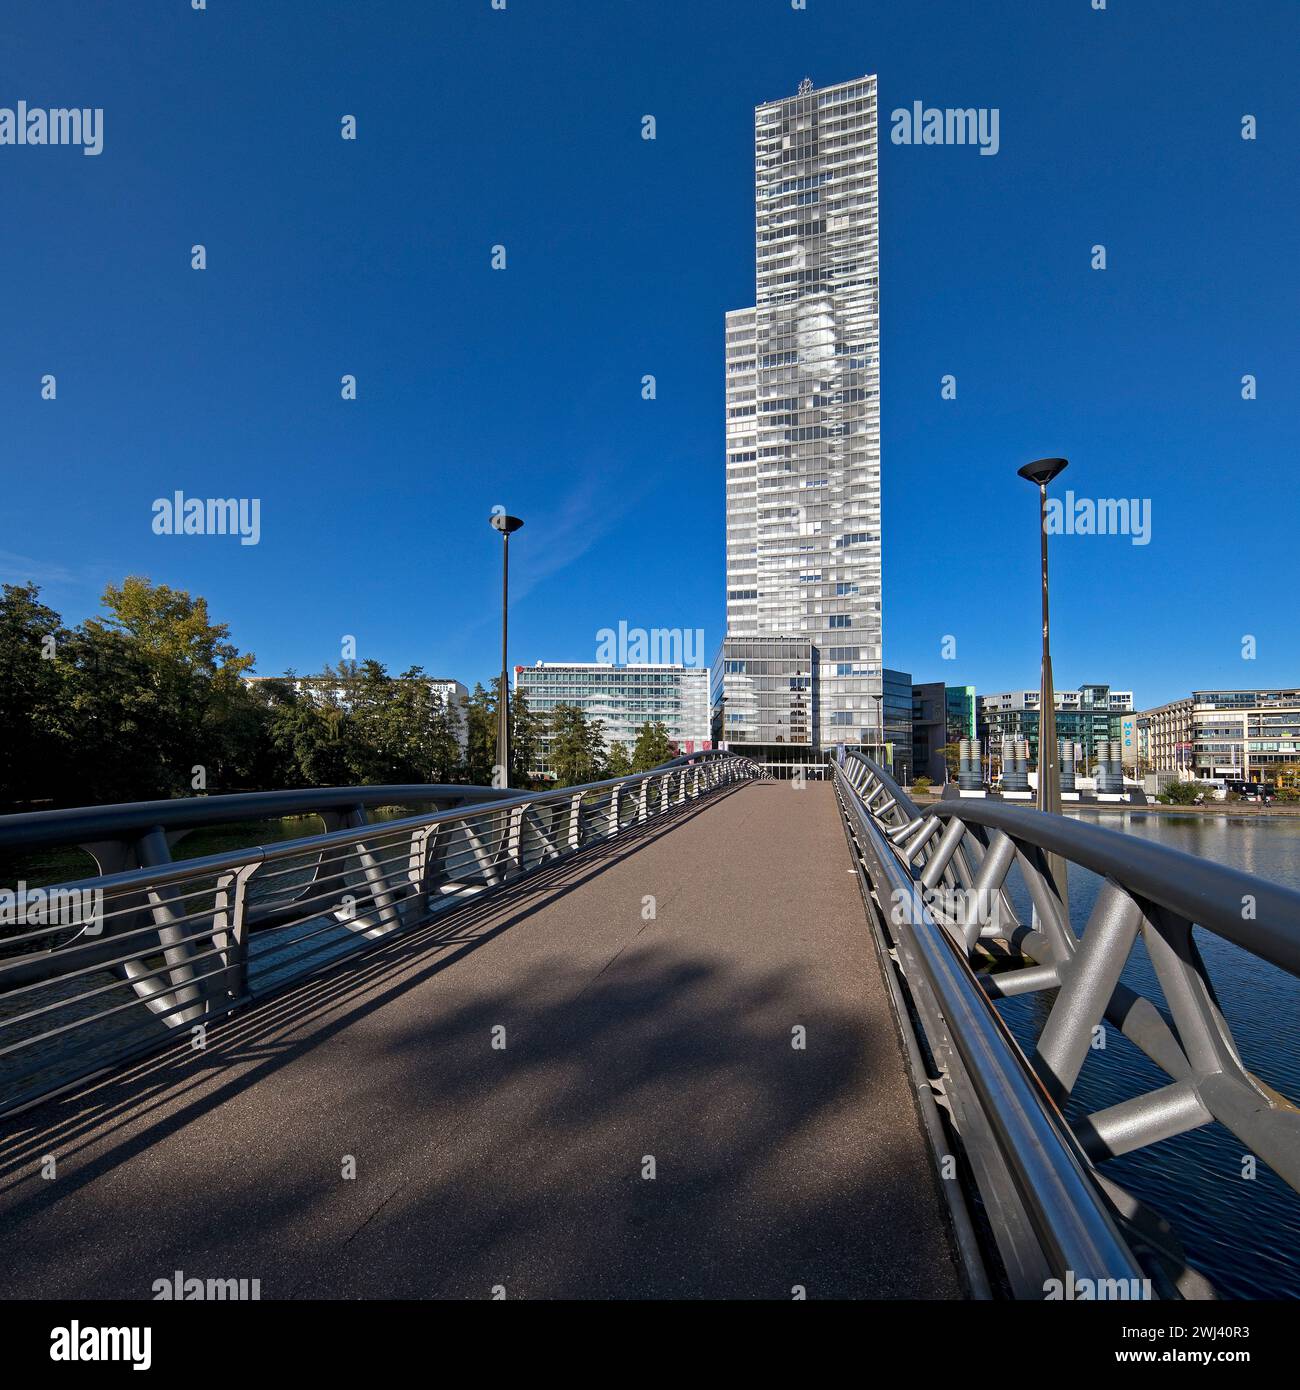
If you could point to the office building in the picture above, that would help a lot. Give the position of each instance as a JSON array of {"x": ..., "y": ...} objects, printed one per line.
[
  {"x": 1245, "y": 735},
  {"x": 896, "y": 715},
  {"x": 929, "y": 730},
  {"x": 942, "y": 715},
  {"x": 803, "y": 435},
  {"x": 623, "y": 699},
  {"x": 1084, "y": 716},
  {"x": 1163, "y": 736},
  {"x": 959, "y": 701},
  {"x": 769, "y": 701}
]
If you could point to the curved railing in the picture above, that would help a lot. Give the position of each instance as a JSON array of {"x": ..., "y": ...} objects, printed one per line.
[
  {"x": 940, "y": 878},
  {"x": 107, "y": 967}
]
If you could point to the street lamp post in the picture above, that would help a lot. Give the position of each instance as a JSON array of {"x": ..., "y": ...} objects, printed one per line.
[
  {"x": 507, "y": 525},
  {"x": 1041, "y": 472}
]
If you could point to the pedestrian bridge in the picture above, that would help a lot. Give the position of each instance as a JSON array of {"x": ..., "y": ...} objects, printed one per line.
[{"x": 689, "y": 1034}]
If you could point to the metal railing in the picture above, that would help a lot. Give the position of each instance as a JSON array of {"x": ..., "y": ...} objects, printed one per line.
[
  {"x": 940, "y": 881},
  {"x": 107, "y": 968}
]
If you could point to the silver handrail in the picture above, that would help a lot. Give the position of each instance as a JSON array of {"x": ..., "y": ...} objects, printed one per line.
[
  {"x": 949, "y": 865},
  {"x": 119, "y": 963}
]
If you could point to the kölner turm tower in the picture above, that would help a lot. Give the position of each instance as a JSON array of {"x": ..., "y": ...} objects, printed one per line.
[{"x": 800, "y": 668}]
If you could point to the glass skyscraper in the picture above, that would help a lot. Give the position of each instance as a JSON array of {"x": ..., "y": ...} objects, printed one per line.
[{"x": 803, "y": 420}]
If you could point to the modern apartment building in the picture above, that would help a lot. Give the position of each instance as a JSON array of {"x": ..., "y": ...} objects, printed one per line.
[
  {"x": 623, "y": 698},
  {"x": 1084, "y": 716},
  {"x": 803, "y": 430},
  {"x": 1244, "y": 735},
  {"x": 1164, "y": 737}
]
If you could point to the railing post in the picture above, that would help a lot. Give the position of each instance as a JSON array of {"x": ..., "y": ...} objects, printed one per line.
[
  {"x": 1093, "y": 974},
  {"x": 422, "y": 860},
  {"x": 514, "y": 841},
  {"x": 230, "y": 930}
]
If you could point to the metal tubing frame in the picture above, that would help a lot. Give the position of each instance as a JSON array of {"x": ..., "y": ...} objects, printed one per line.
[
  {"x": 1047, "y": 1215},
  {"x": 183, "y": 943},
  {"x": 1149, "y": 891}
]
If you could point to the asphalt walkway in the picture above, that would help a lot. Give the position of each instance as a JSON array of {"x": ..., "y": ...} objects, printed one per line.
[{"x": 585, "y": 1086}]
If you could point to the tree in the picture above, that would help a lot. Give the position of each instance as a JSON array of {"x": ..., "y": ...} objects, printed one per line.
[
  {"x": 124, "y": 746},
  {"x": 376, "y": 751},
  {"x": 443, "y": 752},
  {"x": 1184, "y": 793},
  {"x": 310, "y": 734},
  {"x": 952, "y": 759},
  {"x": 32, "y": 696},
  {"x": 481, "y": 737},
  {"x": 577, "y": 745},
  {"x": 652, "y": 747},
  {"x": 618, "y": 762},
  {"x": 525, "y": 740},
  {"x": 191, "y": 680}
]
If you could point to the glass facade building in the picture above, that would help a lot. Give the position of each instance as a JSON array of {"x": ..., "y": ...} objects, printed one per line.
[
  {"x": 769, "y": 692},
  {"x": 896, "y": 712},
  {"x": 623, "y": 698},
  {"x": 1084, "y": 716},
  {"x": 959, "y": 707},
  {"x": 1245, "y": 735},
  {"x": 803, "y": 418}
]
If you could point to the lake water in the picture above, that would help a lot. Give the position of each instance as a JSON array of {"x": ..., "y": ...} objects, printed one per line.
[{"x": 1244, "y": 1235}]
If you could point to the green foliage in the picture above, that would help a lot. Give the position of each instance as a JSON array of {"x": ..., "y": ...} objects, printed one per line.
[
  {"x": 149, "y": 701},
  {"x": 577, "y": 746},
  {"x": 618, "y": 762},
  {"x": 32, "y": 684},
  {"x": 525, "y": 740},
  {"x": 921, "y": 784},
  {"x": 481, "y": 753},
  {"x": 652, "y": 747},
  {"x": 1185, "y": 793},
  {"x": 952, "y": 756}
]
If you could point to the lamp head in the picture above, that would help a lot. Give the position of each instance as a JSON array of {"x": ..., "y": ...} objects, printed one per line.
[
  {"x": 505, "y": 524},
  {"x": 1042, "y": 471}
]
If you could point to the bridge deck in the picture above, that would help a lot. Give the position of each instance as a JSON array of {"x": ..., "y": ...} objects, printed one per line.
[{"x": 523, "y": 1166}]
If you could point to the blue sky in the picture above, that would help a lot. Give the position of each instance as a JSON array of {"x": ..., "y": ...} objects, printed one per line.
[{"x": 521, "y": 387}]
